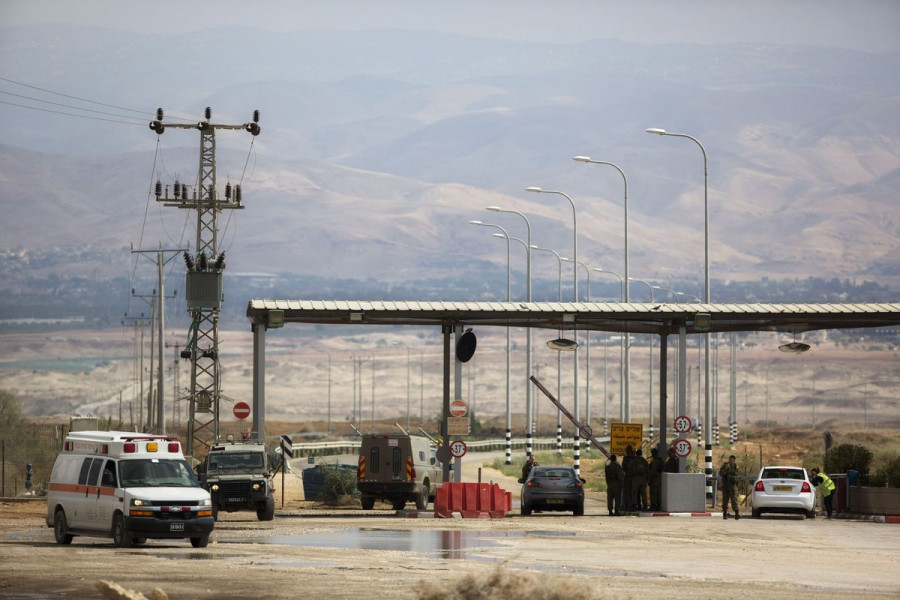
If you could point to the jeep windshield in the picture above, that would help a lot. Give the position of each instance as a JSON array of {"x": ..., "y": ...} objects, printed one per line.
[
  {"x": 156, "y": 472},
  {"x": 236, "y": 461}
]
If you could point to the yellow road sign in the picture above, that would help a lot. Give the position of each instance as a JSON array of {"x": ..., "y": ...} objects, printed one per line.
[{"x": 625, "y": 434}]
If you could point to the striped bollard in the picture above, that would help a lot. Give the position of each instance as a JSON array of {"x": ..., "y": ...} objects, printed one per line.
[
  {"x": 576, "y": 448},
  {"x": 709, "y": 471},
  {"x": 508, "y": 447},
  {"x": 716, "y": 432},
  {"x": 559, "y": 438}
]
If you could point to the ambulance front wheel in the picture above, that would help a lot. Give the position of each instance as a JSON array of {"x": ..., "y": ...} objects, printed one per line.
[
  {"x": 121, "y": 537},
  {"x": 61, "y": 528},
  {"x": 200, "y": 542}
]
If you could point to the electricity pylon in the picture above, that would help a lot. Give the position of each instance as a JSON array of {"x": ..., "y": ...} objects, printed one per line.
[{"x": 204, "y": 275}]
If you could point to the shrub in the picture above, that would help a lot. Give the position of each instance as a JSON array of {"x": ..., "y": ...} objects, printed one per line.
[
  {"x": 849, "y": 457},
  {"x": 339, "y": 486},
  {"x": 888, "y": 475}
]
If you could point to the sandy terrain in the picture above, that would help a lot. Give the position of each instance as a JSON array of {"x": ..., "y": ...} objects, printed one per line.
[{"x": 381, "y": 555}]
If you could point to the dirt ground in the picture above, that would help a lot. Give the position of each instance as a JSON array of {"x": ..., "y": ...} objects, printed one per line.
[{"x": 315, "y": 552}]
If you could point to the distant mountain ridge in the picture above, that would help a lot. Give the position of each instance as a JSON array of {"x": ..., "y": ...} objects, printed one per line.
[{"x": 378, "y": 147}]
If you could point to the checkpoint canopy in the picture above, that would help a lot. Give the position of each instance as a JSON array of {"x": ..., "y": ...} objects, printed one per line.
[{"x": 649, "y": 318}]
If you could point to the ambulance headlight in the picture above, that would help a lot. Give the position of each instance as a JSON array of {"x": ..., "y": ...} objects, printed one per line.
[
  {"x": 206, "y": 502},
  {"x": 139, "y": 502}
]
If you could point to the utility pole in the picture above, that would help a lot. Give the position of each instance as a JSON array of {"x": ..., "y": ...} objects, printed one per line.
[
  {"x": 158, "y": 257},
  {"x": 204, "y": 277},
  {"x": 138, "y": 322}
]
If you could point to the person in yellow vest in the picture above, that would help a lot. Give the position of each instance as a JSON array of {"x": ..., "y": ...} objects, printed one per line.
[{"x": 826, "y": 485}]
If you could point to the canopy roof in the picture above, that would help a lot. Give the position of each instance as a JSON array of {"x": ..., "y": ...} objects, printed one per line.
[{"x": 585, "y": 316}]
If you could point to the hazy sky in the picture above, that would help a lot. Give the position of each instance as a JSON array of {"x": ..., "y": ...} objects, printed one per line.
[{"x": 870, "y": 25}]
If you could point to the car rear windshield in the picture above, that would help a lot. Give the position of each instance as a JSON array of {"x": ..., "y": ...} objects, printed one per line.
[
  {"x": 782, "y": 473},
  {"x": 551, "y": 473}
]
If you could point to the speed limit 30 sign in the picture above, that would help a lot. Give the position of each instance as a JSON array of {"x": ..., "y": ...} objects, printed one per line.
[
  {"x": 681, "y": 448},
  {"x": 457, "y": 448}
]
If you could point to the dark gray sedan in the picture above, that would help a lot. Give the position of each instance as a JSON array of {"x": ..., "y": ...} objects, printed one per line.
[{"x": 552, "y": 488}]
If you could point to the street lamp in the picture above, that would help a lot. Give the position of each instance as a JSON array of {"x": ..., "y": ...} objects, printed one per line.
[
  {"x": 707, "y": 427},
  {"x": 649, "y": 287},
  {"x": 626, "y": 398},
  {"x": 623, "y": 365},
  {"x": 587, "y": 383},
  {"x": 508, "y": 298},
  {"x": 577, "y": 439},
  {"x": 529, "y": 394},
  {"x": 559, "y": 261}
]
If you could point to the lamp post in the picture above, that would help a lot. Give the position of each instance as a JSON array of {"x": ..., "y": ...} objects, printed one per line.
[
  {"x": 559, "y": 262},
  {"x": 529, "y": 394},
  {"x": 623, "y": 365},
  {"x": 652, "y": 300},
  {"x": 587, "y": 382},
  {"x": 576, "y": 449},
  {"x": 508, "y": 298},
  {"x": 626, "y": 397},
  {"x": 707, "y": 429}
]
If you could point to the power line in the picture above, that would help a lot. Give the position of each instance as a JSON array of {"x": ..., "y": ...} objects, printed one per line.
[
  {"x": 40, "y": 89},
  {"x": 99, "y": 112},
  {"x": 59, "y": 112}
]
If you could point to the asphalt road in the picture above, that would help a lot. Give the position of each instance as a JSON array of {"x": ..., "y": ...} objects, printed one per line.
[{"x": 312, "y": 552}]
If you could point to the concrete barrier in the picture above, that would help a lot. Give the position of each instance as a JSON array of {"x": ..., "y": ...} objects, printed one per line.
[{"x": 472, "y": 501}]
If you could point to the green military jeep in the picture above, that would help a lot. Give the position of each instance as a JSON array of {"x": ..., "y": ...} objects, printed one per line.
[{"x": 238, "y": 477}]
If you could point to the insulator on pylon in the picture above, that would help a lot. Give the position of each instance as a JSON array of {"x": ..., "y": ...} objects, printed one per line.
[
  {"x": 237, "y": 194},
  {"x": 208, "y": 113},
  {"x": 188, "y": 262},
  {"x": 202, "y": 264},
  {"x": 255, "y": 116},
  {"x": 159, "y": 114},
  {"x": 220, "y": 263},
  {"x": 177, "y": 191},
  {"x": 228, "y": 191},
  {"x": 158, "y": 188}
]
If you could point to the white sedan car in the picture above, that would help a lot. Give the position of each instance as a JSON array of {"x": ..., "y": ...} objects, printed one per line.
[{"x": 783, "y": 490}]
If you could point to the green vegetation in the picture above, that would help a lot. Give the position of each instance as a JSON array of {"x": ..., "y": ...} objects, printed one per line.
[
  {"x": 849, "y": 457},
  {"x": 887, "y": 475},
  {"x": 339, "y": 487}
]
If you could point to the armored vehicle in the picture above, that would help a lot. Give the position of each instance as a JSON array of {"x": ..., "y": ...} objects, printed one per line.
[
  {"x": 397, "y": 468},
  {"x": 238, "y": 477}
]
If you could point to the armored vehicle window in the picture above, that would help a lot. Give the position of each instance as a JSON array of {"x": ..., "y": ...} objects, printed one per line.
[
  {"x": 236, "y": 460},
  {"x": 421, "y": 456},
  {"x": 395, "y": 461},
  {"x": 374, "y": 459}
]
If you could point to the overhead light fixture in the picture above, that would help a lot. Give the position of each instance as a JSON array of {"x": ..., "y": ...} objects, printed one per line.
[
  {"x": 562, "y": 344},
  {"x": 795, "y": 347}
]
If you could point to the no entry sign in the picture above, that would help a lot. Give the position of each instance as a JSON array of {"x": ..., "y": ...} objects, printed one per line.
[
  {"x": 241, "y": 410},
  {"x": 458, "y": 408}
]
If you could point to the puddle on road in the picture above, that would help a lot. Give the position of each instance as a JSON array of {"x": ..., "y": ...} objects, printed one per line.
[{"x": 436, "y": 543}]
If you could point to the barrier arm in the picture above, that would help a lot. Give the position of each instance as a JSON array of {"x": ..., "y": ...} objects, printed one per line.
[
  {"x": 356, "y": 430},
  {"x": 584, "y": 430}
]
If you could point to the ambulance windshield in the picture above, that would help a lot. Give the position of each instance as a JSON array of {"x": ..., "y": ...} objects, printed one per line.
[{"x": 155, "y": 472}]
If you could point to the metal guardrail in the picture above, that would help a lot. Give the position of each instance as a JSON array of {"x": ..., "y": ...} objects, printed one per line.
[{"x": 352, "y": 446}]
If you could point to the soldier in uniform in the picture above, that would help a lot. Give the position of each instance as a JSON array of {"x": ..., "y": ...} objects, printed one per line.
[
  {"x": 615, "y": 477},
  {"x": 626, "y": 486},
  {"x": 729, "y": 474},
  {"x": 638, "y": 469},
  {"x": 672, "y": 461},
  {"x": 654, "y": 479}
]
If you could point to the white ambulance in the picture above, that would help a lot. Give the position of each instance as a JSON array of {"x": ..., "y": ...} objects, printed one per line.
[{"x": 127, "y": 486}]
